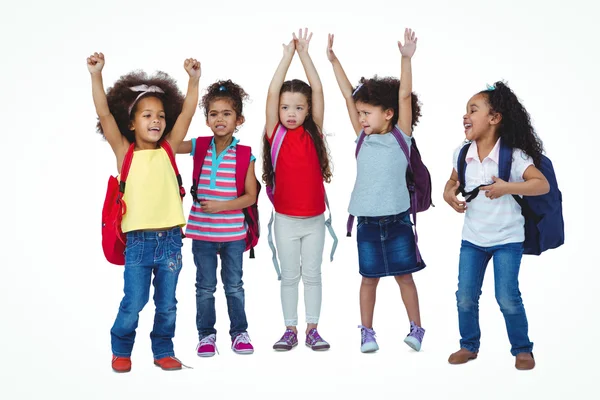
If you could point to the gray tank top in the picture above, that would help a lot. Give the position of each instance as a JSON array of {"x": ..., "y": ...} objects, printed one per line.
[{"x": 380, "y": 186}]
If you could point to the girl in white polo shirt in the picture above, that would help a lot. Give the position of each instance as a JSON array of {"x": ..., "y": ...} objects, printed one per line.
[{"x": 494, "y": 226}]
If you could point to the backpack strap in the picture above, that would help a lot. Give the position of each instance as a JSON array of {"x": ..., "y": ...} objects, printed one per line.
[
  {"x": 201, "y": 146},
  {"x": 125, "y": 168},
  {"x": 359, "y": 143},
  {"x": 167, "y": 147},
  {"x": 242, "y": 163},
  {"x": 461, "y": 165}
]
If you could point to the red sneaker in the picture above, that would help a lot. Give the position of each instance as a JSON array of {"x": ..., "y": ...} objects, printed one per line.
[
  {"x": 121, "y": 364},
  {"x": 168, "y": 363}
]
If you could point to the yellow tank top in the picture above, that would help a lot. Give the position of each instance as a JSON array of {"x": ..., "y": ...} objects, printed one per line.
[{"x": 151, "y": 193}]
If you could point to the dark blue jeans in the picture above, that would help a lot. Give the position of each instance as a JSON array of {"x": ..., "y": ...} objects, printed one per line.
[
  {"x": 148, "y": 253},
  {"x": 205, "y": 258},
  {"x": 472, "y": 265}
]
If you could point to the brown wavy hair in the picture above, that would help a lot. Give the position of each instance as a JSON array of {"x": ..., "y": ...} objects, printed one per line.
[
  {"x": 310, "y": 126},
  {"x": 120, "y": 97}
]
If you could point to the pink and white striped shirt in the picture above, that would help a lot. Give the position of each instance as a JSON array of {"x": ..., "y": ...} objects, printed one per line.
[
  {"x": 217, "y": 182},
  {"x": 498, "y": 221}
]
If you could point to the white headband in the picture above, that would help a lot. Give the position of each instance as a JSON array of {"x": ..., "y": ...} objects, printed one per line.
[
  {"x": 357, "y": 89},
  {"x": 143, "y": 89}
]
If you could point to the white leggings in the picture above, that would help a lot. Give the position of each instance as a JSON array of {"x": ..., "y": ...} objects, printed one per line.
[{"x": 300, "y": 243}]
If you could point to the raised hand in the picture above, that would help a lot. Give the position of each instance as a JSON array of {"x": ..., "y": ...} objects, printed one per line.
[
  {"x": 290, "y": 48},
  {"x": 410, "y": 44},
  {"x": 95, "y": 63},
  {"x": 302, "y": 40},
  {"x": 452, "y": 200},
  {"x": 192, "y": 67},
  {"x": 330, "y": 54}
]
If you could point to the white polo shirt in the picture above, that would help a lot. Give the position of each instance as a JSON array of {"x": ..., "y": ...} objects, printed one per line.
[{"x": 498, "y": 221}]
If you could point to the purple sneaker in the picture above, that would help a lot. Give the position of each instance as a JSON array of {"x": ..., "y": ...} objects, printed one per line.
[
  {"x": 288, "y": 341},
  {"x": 315, "y": 341},
  {"x": 415, "y": 337},
  {"x": 368, "y": 344}
]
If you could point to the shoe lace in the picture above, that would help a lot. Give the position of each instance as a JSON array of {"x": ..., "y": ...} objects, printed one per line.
[
  {"x": 367, "y": 334},
  {"x": 288, "y": 335},
  {"x": 210, "y": 339},
  {"x": 416, "y": 331},
  {"x": 314, "y": 336},
  {"x": 241, "y": 338},
  {"x": 179, "y": 361}
]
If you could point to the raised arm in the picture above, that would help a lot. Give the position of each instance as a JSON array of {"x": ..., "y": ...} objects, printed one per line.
[
  {"x": 275, "y": 87},
  {"x": 405, "y": 102},
  {"x": 185, "y": 147},
  {"x": 344, "y": 84},
  {"x": 113, "y": 136},
  {"x": 176, "y": 136},
  {"x": 318, "y": 102}
]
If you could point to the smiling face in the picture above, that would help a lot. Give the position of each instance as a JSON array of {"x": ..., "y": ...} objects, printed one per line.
[
  {"x": 222, "y": 119},
  {"x": 374, "y": 119},
  {"x": 480, "y": 121},
  {"x": 148, "y": 122},
  {"x": 293, "y": 109}
]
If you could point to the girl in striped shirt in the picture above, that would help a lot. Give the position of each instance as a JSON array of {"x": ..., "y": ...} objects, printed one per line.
[{"x": 216, "y": 222}]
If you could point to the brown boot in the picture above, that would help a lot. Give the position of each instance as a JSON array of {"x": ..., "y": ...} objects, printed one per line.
[
  {"x": 524, "y": 361},
  {"x": 462, "y": 356}
]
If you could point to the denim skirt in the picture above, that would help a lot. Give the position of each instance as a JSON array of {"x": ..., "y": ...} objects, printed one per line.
[{"x": 386, "y": 246}]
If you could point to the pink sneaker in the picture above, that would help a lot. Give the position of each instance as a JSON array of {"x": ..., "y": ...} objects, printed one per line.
[
  {"x": 207, "y": 346},
  {"x": 241, "y": 344}
]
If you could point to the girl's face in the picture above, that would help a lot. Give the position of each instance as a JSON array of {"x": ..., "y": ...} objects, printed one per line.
[
  {"x": 479, "y": 121},
  {"x": 149, "y": 120},
  {"x": 222, "y": 119},
  {"x": 374, "y": 119},
  {"x": 293, "y": 109}
]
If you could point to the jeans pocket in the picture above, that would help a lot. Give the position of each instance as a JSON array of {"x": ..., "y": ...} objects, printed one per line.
[{"x": 134, "y": 251}]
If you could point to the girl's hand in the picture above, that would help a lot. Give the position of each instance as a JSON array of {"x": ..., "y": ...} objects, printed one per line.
[
  {"x": 330, "y": 54},
  {"x": 302, "y": 40},
  {"x": 452, "y": 200},
  {"x": 192, "y": 67},
  {"x": 496, "y": 189},
  {"x": 211, "y": 206},
  {"x": 95, "y": 63},
  {"x": 290, "y": 48},
  {"x": 410, "y": 44}
]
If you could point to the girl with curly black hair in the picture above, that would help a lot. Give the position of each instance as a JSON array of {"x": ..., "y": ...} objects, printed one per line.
[
  {"x": 217, "y": 223},
  {"x": 137, "y": 114},
  {"x": 494, "y": 225},
  {"x": 384, "y": 111},
  {"x": 294, "y": 145}
]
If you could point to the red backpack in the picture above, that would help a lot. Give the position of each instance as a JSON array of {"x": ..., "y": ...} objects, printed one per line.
[
  {"x": 113, "y": 238},
  {"x": 242, "y": 162}
]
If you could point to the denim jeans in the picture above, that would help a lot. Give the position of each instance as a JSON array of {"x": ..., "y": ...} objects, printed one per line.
[
  {"x": 205, "y": 258},
  {"x": 149, "y": 252},
  {"x": 472, "y": 265}
]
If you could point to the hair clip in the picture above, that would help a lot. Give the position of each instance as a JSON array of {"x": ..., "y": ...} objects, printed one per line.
[
  {"x": 222, "y": 88},
  {"x": 490, "y": 87},
  {"x": 357, "y": 89}
]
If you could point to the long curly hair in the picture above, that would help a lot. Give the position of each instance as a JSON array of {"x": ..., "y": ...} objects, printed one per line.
[
  {"x": 120, "y": 97},
  {"x": 310, "y": 126},
  {"x": 383, "y": 92},
  {"x": 515, "y": 126},
  {"x": 226, "y": 90}
]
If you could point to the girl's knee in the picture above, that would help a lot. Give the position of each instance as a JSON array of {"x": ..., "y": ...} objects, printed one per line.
[
  {"x": 405, "y": 279},
  {"x": 369, "y": 281}
]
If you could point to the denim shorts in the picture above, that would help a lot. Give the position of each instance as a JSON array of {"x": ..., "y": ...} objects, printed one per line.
[{"x": 386, "y": 246}]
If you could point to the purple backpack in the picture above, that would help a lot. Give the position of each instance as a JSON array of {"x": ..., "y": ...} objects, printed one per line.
[{"x": 418, "y": 180}]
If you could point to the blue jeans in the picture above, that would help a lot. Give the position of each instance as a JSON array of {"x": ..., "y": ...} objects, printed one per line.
[
  {"x": 205, "y": 258},
  {"x": 472, "y": 265},
  {"x": 147, "y": 252}
]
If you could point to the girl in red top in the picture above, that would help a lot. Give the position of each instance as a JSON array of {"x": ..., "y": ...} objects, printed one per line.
[{"x": 295, "y": 110}]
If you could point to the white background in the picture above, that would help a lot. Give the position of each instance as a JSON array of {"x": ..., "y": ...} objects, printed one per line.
[{"x": 59, "y": 297}]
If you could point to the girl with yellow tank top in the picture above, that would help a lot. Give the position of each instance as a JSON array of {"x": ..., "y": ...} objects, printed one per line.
[{"x": 146, "y": 110}]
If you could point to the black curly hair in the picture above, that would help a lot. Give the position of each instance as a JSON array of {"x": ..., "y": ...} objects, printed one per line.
[
  {"x": 225, "y": 90},
  {"x": 383, "y": 92},
  {"x": 120, "y": 97},
  {"x": 515, "y": 126},
  {"x": 310, "y": 126}
]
